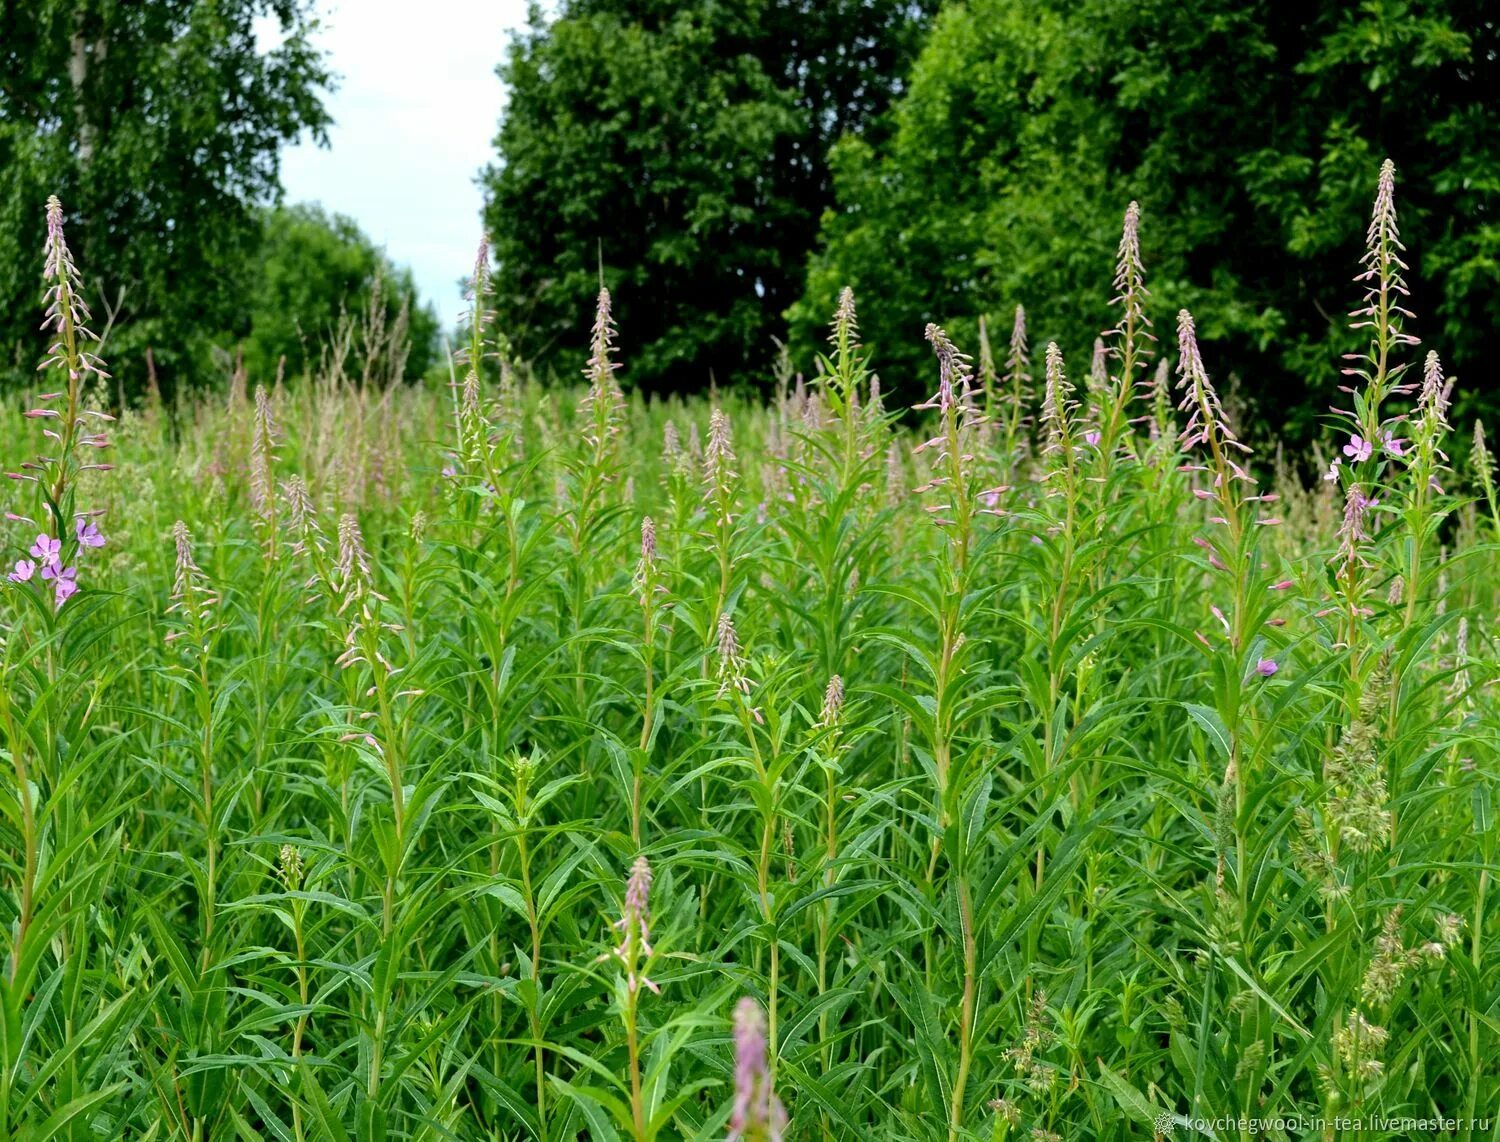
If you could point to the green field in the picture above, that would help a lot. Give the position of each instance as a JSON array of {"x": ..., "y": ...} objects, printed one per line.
[{"x": 1041, "y": 764}]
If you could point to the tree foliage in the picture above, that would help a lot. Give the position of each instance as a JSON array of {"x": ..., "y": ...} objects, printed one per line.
[
  {"x": 160, "y": 126},
  {"x": 319, "y": 279},
  {"x": 1249, "y": 132},
  {"x": 679, "y": 149}
]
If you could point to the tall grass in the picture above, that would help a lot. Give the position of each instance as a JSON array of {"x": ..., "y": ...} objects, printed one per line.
[{"x": 500, "y": 761}]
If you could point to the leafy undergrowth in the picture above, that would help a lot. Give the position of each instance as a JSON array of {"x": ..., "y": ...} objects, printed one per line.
[{"x": 496, "y": 761}]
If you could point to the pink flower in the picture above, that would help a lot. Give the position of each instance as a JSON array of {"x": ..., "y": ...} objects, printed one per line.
[
  {"x": 1391, "y": 444},
  {"x": 88, "y": 534},
  {"x": 757, "y": 1112},
  {"x": 1358, "y": 449},
  {"x": 1285, "y": 584},
  {"x": 634, "y": 927},
  {"x": 47, "y": 550},
  {"x": 25, "y": 568},
  {"x": 1092, "y": 436},
  {"x": 1333, "y": 470},
  {"x": 1266, "y": 667},
  {"x": 67, "y": 582}
]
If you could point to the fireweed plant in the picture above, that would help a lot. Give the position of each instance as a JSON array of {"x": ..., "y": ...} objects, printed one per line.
[{"x": 499, "y": 759}]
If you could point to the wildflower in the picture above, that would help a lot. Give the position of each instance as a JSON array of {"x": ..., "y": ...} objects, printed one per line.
[
  {"x": 1266, "y": 667},
  {"x": 954, "y": 375},
  {"x": 634, "y": 925},
  {"x": 718, "y": 459},
  {"x": 1017, "y": 372},
  {"x": 958, "y": 420},
  {"x": 1352, "y": 532},
  {"x": 844, "y": 329},
  {"x": 731, "y": 665},
  {"x": 262, "y": 442},
  {"x": 1129, "y": 270},
  {"x": 1058, "y": 405},
  {"x": 757, "y": 1113},
  {"x": 479, "y": 283},
  {"x": 1460, "y": 684},
  {"x": 289, "y": 867},
  {"x": 191, "y": 593},
  {"x": 1434, "y": 399},
  {"x": 47, "y": 550},
  {"x": 1199, "y": 400},
  {"x": 648, "y": 542},
  {"x": 1092, "y": 437},
  {"x": 88, "y": 535},
  {"x": 1019, "y": 359},
  {"x": 1383, "y": 314},
  {"x": 66, "y": 310},
  {"x": 301, "y": 517},
  {"x": 1481, "y": 460},
  {"x": 1099, "y": 371},
  {"x": 895, "y": 472},
  {"x": 645, "y": 570},
  {"x": 833, "y": 702},
  {"x": 1332, "y": 475},
  {"x": 353, "y": 568},
  {"x": 25, "y": 568},
  {"x": 1391, "y": 444},
  {"x": 65, "y": 581},
  {"x": 605, "y": 403}
]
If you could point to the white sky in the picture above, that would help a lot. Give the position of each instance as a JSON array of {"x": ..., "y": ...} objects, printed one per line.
[{"x": 415, "y": 113}]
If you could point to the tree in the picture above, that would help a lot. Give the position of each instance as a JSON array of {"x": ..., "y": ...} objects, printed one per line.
[
  {"x": 679, "y": 149},
  {"x": 159, "y": 125},
  {"x": 315, "y": 275},
  {"x": 1251, "y": 133}
]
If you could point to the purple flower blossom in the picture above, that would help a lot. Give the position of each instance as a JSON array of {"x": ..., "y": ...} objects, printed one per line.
[
  {"x": 757, "y": 1112},
  {"x": 25, "y": 568},
  {"x": 67, "y": 582},
  {"x": 1092, "y": 437},
  {"x": 1266, "y": 667},
  {"x": 1352, "y": 532},
  {"x": 1332, "y": 474},
  {"x": 1058, "y": 405},
  {"x": 634, "y": 925},
  {"x": 88, "y": 534},
  {"x": 1391, "y": 444},
  {"x": 47, "y": 550},
  {"x": 1200, "y": 400},
  {"x": 1358, "y": 449}
]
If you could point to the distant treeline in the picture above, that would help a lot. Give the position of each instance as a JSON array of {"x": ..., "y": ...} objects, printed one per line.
[
  {"x": 160, "y": 127},
  {"x": 728, "y": 167},
  {"x": 731, "y": 166}
]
